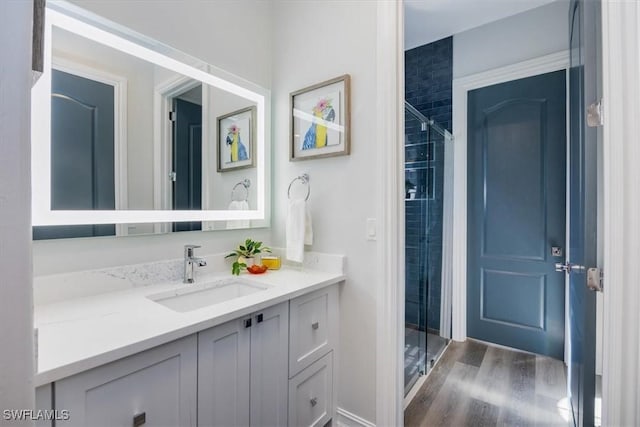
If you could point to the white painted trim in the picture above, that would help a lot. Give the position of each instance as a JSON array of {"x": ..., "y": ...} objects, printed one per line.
[
  {"x": 120, "y": 142},
  {"x": 621, "y": 238},
  {"x": 345, "y": 418},
  {"x": 446, "y": 305},
  {"x": 390, "y": 213},
  {"x": 461, "y": 86}
]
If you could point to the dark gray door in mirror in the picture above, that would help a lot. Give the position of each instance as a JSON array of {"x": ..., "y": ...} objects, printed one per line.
[
  {"x": 187, "y": 160},
  {"x": 82, "y": 152}
]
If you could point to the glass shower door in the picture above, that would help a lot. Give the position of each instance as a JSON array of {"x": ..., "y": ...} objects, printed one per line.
[
  {"x": 416, "y": 217},
  {"x": 427, "y": 319}
]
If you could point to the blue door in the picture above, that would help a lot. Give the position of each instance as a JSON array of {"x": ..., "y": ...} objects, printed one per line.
[
  {"x": 82, "y": 153},
  {"x": 187, "y": 161},
  {"x": 517, "y": 213},
  {"x": 583, "y": 89}
]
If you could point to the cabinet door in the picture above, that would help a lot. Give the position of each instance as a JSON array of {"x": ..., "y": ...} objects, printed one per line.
[
  {"x": 157, "y": 386},
  {"x": 44, "y": 402},
  {"x": 269, "y": 355},
  {"x": 311, "y": 395},
  {"x": 313, "y": 330},
  {"x": 223, "y": 375}
]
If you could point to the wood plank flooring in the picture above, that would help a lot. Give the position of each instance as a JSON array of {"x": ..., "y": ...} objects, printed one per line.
[{"x": 478, "y": 385}]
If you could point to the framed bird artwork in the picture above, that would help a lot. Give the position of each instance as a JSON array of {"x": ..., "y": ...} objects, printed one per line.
[
  {"x": 236, "y": 134},
  {"x": 320, "y": 120}
]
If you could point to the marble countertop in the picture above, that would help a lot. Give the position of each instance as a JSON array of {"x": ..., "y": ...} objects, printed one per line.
[{"x": 84, "y": 332}]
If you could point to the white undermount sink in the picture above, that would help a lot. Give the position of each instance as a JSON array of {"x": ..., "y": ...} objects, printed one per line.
[{"x": 193, "y": 297}]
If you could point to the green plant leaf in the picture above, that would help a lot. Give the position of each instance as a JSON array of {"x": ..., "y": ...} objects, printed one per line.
[
  {"x": 231, "y": 254},
  {"x": 242, "y": 248},
  {"x": 236, "y": 267}
]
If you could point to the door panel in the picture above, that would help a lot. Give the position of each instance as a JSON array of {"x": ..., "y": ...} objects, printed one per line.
[
  {"x": 517, "y": 146},
  {"x": 187, "y": 161},
  {"x": 82, "y": 153},
  {"x": 269, "y": 366},
  {"x": 583, "y": 78},
  {"x": 224, "y": 375}
]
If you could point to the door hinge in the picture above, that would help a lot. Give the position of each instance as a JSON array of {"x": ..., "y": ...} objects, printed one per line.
[
  {"x": 595, "y": 279},
  {"x": 172, "y": 116},
  {"x": 595, "y": 114},
  {"x": 172, "y": 176}
]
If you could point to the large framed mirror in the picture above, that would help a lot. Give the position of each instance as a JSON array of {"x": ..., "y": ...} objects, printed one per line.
[{"x": 130, "y": 136}]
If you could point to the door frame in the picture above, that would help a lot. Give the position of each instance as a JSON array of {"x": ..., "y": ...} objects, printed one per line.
[
  {"x": 120, "y": 100},
  {"x": 461, "y": 86},
  {"x": 163, "y": 142},
  {"x": 621, "y": 152}
]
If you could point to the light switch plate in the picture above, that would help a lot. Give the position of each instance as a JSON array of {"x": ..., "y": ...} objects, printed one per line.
[{"x": 372, "y": 229}]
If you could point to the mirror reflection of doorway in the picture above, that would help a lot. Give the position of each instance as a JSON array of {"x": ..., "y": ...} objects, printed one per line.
[
  {"x": 186, "y": 155},
  {"x": 82, "y": 153}
]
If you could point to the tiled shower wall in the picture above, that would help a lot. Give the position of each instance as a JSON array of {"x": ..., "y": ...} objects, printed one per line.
[{"x": 428, "y": 81}]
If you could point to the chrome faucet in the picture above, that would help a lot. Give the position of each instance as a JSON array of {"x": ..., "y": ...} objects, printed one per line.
[{"x": 189, "y": 261}]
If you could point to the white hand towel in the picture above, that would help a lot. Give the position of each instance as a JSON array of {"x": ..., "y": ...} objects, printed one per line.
[
  {"x": 238, "y": 205},
  {"x": 299, "y": 230}
]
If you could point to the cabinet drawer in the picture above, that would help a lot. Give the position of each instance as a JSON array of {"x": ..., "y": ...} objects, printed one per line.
[
  {"x": 311, "y": 394},
  {"x": 313, "y": 327},
  {"x": 157, "y": 386}
]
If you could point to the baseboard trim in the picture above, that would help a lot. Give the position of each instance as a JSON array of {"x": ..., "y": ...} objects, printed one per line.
[{"x": 347, "y": 419}]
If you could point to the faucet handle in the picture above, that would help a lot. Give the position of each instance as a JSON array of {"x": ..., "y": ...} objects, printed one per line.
[{"x": 188, "y": 250}]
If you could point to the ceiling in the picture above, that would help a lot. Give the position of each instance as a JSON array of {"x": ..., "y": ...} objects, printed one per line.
[{"x": 426, "y": 21}]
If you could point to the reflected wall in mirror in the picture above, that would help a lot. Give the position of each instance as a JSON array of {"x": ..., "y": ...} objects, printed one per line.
[{"x": 126, "y": 138}]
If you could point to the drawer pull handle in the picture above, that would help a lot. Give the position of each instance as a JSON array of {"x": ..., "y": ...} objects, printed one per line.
[
  {"x": 314, "y": 401},
  {"x": 314, "y": 325},
  {"x": 259, "y": 318},
  {"x": 247, "y": 323},
  {"x": 139, "y": 419}
]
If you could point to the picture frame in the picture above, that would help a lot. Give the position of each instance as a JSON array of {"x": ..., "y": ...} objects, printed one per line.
[
  {"x": 235, "y": 140},
  {"x": 320, "y": 119}
]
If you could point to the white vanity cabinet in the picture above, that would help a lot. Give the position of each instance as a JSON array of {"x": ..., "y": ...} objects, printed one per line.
[
  {"x": 155, "y": 387},
  {"x": 273, "y": 367},
  {"x": 242, "y": 370},
  {"x": 313, "y": 333}
]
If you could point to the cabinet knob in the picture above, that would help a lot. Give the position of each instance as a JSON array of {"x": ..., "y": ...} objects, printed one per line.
[
  {"x": 314, "y": 325},
  {"x": 259, "y": 318},
  {"x": 314, "y": 401},
  {"x": 247, "y": 323},
  {"x": 139, "y": 419}
]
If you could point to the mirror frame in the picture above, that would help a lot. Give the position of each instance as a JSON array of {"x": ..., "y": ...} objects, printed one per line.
[{"x": 65, "y": 16}]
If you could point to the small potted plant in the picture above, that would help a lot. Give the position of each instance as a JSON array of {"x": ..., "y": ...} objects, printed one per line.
[{"x": 245, "y": 254}]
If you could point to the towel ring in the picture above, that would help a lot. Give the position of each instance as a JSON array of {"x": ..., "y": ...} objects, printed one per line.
[
  {"x": 246, "y": 184},
  {"x": 304, "y": 178}
]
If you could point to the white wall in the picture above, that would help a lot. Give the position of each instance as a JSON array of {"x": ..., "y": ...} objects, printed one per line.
[
  {"x": 16, "y": 314},
  {"x": 531, "y": 34},
  {"x": 235, "y": 36},
  {"x": 315, "y": 43}
]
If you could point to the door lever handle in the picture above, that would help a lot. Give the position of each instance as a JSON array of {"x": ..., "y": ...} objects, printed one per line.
[{"x": 568, "y": 267}]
